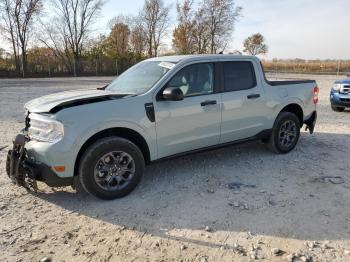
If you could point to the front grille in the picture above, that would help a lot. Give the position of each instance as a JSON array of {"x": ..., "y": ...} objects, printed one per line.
[
  {"x": 345, "y": 89},
  {"x": 344, "y": 99}
]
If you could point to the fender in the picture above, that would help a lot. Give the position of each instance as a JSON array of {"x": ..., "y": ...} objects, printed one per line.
[
  {"x": 290, "y": 100},
  {"x": 103, "y": 125}
]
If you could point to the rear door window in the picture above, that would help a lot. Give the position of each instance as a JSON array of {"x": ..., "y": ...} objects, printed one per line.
[{"x": 238, "y": 76}]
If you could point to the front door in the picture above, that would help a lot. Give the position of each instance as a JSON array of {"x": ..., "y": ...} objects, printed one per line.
[{"x": 193, "y": 122}]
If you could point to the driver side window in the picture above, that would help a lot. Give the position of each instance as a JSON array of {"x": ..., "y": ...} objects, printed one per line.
[{"x": 193, "y": 80}]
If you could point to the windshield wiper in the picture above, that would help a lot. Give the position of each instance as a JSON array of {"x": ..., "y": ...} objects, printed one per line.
[
  {"x": 129, "y": 94},
  {"x": 102, "y": 88}
]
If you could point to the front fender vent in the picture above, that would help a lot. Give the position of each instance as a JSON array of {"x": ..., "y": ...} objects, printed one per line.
[{"x": 150, "y": 112}]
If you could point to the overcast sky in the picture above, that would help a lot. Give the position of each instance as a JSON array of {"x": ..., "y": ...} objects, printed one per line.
[{"x": 308, "y": 29}]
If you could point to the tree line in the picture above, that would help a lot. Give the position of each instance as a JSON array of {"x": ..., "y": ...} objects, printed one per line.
[
  {"x": 58, "y": 35},
  {"x": 316, "y": 66}
]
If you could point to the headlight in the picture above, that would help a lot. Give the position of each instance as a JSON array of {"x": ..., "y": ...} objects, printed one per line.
[
  {"x": 336, "y": 87},
  {"x": 45, "y": 129}
]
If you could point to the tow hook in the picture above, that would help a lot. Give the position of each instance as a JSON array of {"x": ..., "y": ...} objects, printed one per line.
[{"x": 17, "y": 168}]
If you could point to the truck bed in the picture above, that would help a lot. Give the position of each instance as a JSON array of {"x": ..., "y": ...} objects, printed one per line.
[
  {"x": 289, "y": 82},
  {"x": 286, "y": 82}
]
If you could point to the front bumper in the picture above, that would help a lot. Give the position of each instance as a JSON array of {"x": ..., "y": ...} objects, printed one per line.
[
  {"x": 25, "y": 171},
  {"x": 338, "y": 99}
]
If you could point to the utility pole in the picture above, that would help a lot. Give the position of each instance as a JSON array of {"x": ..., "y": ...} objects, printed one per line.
[
  {"x": 96, "y": 68},
  {"x": 275, "y": 62},
  {"x": 22, "y": 66},
  {"x": 338, "y": 67},
  {"x": 74, "y": 68},
  {"x": 48, "y": 64}
]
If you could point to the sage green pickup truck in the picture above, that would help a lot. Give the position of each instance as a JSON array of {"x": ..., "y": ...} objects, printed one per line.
[{"x": 158, "y": 109}]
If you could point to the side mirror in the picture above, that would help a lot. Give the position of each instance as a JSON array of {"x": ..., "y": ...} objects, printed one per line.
[{"x": 173, "y": 94}]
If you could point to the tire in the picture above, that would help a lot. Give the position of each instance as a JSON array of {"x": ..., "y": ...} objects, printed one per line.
[
  {"x": 281, "y": 141},
  {"x": 8, "y": 163},
  {"x": 111, "y": 168},
  {"x": 337, "y": 109},
  {"x": 78, "y": 187}
]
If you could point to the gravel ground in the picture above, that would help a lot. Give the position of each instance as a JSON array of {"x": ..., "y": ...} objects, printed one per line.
[{"x": 239, "y": 203}]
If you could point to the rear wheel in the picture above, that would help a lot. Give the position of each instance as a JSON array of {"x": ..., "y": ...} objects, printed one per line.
[
  {"x": 285, "y": 133},
  {"x": 111, "y": 168},
  {"x": 337, "y": 108}
]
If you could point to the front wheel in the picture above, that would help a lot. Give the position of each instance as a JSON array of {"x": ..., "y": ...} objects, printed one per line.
[
  {"x": 111, "y": 168},
  {"x": 285, "y": 133}
]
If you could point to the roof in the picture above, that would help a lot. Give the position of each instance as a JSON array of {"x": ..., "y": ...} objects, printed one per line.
[
  {"x": 343, "y": 81},
  {"x": 180, "y": 58}
]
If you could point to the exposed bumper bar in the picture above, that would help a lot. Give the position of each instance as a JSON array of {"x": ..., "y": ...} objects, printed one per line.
[{"x": 25, "y": 172}]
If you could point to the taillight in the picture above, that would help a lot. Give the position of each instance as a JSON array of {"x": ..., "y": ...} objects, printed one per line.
[{"x": 316, "y": 91}]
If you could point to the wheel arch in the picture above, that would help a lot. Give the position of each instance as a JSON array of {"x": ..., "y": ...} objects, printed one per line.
[
  {"x": 295, "y": 109},
  {"x": 123, "y": 132}
]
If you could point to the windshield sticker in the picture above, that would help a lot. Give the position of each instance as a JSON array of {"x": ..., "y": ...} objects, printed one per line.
[{"x": 167, "y": 65}]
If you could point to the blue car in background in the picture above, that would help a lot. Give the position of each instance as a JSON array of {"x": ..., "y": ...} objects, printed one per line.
[{"x": 340, "y": 95}]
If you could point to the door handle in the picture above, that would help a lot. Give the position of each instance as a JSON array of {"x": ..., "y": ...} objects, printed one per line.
[
  {"x": 208, "y": 102},
  {"x": 253, "y": 96}
]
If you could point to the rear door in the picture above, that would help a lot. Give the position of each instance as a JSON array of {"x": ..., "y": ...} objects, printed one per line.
[
  {"x": 195, "y": 121},
  {"x": 244, "y": 109}
]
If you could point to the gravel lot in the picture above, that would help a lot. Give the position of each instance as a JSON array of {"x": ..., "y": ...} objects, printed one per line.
[{"x": 234, "y": 204}]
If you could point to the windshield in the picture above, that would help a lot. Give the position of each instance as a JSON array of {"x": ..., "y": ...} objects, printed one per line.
[{"x": 140, "y": 78}]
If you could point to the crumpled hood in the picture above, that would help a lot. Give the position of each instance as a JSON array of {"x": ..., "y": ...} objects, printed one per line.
[{"x": 57, "y": 101}]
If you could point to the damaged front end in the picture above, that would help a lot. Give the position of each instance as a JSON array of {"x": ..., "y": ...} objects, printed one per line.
[
  {"x": 24, "y": 169},
  {"x": 18, "y": 167}
]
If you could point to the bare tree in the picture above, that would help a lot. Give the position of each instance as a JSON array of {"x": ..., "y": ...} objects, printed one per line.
[
  {"x": 155, "y": 20},
  {"x": 200, "y": 32},
  {"x": 254, "y": 45},
  {"x": 25, "y": 10},
  {"x": 206, "y": 29},
  {"x": 69, "y": 29},
  {"x": 183, "y": 39},
  {"x": 220, "y": 16},
  {"x": 17, "y": 22},
  {"x": 8, "y": 28},
  {"x": 134, "y": 38},
  {"x": 119, "y": 38},
  {"x": 138, "y": 38}
]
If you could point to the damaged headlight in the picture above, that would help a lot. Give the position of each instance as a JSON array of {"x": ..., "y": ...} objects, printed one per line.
[{"x": 45, "y": 129}]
